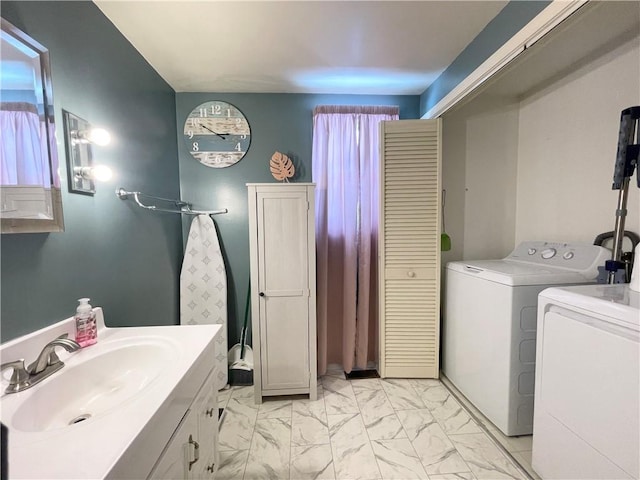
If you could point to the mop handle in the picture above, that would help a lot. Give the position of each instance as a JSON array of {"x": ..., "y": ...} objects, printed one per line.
[{"x": 626, "y": 161}]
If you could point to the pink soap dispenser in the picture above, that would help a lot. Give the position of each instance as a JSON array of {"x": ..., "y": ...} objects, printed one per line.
[{"x": 86, "y": 328}]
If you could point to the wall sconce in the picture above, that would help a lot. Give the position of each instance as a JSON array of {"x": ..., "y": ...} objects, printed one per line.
[
  {"x": 101, "y": 173},
  {"x": 97, "y": 136},
  {"x": 80, "y": 136}
]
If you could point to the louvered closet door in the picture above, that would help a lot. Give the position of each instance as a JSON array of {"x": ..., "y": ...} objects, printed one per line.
[{"x": 409, "y": 248}]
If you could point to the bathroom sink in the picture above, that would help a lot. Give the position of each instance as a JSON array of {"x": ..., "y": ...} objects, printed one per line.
[
  {"x": 110, "y": 411},
  {"x": 93, "y": 383}
]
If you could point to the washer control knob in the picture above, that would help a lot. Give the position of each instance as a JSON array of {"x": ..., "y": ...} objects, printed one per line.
[
  {"x": 531, "y": 251},
  {"x": 548, "y": 253},
  {"x": 568, "y": 255}
]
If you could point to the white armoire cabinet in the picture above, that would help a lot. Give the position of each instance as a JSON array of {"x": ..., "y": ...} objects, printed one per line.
[
  {"x": 409, "y": 248},
  {"x": 283, "y": 288}
]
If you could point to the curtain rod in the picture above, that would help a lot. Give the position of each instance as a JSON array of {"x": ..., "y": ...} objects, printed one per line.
[
  {"x": 362, "y": 109},
  {"x": 184, "y": 207}
]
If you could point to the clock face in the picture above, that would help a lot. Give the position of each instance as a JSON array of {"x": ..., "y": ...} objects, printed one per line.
[{"x": 217, "y": 134}]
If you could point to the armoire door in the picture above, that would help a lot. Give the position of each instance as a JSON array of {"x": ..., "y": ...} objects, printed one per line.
[
  {"x": 283, "y": 286},
  {"x": 409, "y": 248}
]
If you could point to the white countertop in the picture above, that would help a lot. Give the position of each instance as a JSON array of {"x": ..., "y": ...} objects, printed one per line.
[{"x": 126, "y": 440}]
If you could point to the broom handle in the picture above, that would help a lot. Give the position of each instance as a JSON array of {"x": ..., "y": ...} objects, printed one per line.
[{"x": 243, "y": 335}]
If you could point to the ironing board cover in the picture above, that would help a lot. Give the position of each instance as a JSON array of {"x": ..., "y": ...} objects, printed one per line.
[{"x": 203, "y": 287}]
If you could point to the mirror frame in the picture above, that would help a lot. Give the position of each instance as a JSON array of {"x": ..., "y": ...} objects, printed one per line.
[
  {"x": 31, "y": 225},
  {"x": 79, "y": 154}
]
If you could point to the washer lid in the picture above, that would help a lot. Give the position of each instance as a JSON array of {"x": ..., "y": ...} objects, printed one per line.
[
  {"x": 518, "y": 273},
  {"x": 617, "y": 302}
]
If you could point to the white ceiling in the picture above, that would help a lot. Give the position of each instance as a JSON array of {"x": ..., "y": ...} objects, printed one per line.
[{"x": 366, "y": 47}]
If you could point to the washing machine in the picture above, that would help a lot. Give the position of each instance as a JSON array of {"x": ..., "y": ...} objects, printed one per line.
[
  {"x": 587, "y": 405},
  {"x": 489, "y": 324}
]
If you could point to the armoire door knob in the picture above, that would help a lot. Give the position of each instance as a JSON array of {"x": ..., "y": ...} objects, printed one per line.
[{"x": 261, "y": 294}]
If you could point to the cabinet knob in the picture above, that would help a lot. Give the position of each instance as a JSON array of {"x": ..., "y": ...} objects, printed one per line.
[
  {"x": 261, "y": 294},
  {"x": 209, "y": 412},
  {"x": 411, "y": 274},
  {"x": 211, "y": 467}
]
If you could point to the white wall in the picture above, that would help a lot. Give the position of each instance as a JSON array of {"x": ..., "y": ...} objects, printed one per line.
[
  {"x": 540, "y": 167},
  {"x": 479, "y": 172},
  {"x": 453, "y": 181},
  {"x": 490, "y": 207},
  {"x": 567, "y": 146}
]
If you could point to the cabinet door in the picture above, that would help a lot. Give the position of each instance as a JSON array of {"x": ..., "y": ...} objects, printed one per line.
[
  {"x": 283, "y": 286},
  {"x": 206, "y": 409},
  {"x": 175, "y": 461},
  {"x": 409, "y": 253}
]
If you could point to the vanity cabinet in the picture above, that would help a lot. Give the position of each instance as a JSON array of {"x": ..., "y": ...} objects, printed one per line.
[
  {"x": 283, "y": 288},
  {"x": 192, "y": 450},
  {"x": 147, "y": 427}
]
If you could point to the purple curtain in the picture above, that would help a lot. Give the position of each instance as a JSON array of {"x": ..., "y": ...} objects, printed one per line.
[{"x": 345, "y": 170}]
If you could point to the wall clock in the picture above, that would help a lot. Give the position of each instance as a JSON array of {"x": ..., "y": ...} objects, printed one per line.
[{"x": 217, "y": 134}]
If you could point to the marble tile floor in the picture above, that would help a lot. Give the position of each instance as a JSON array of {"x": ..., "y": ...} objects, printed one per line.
[
  {"x": 361, "y": 429},
  {"x": 518, "y": 447}
]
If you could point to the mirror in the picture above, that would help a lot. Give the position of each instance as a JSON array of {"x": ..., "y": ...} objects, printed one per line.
[
  {"x": 31, "y": 199},
  {"x": 79, "y": 153}
]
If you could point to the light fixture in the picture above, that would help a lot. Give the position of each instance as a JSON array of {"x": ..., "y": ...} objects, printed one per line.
[
  {"x": 96, "y": 136},
  {"x": 101, "y": 173},
  {"x": 80, "y": 138}
]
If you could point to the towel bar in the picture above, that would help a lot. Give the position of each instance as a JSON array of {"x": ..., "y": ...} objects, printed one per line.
[{"x": 184, "y": 207}]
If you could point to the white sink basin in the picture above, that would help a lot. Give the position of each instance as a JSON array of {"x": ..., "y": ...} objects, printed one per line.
[
  {"x": 127, "y": 395},
  {"x": 94, "y": 386}
]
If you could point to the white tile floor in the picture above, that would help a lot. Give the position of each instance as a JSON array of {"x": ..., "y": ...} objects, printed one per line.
[
  {"x": 518, "y": 447},
  {"x": 359, "y": 429}
]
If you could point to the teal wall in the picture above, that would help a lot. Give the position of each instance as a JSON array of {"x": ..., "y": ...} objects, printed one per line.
[
  {"x": 279, "y": 122},
  {"x": 511, "y": 19},
  {"x": 126, "y": 259}
]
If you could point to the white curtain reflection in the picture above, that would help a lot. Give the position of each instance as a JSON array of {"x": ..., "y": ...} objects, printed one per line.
[{"x": 24, "y": 153}]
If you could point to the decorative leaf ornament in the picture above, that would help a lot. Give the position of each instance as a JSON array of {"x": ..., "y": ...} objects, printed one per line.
[{"x": 281, "y": 167}]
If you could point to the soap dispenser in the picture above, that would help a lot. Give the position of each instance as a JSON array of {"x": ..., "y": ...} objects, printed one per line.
[{"x": 86, "y": 328}]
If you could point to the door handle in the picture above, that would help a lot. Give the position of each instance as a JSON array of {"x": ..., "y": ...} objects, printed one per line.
[
  {"x": 261, "y": 294},
  {"x": 196, "y": 451}
]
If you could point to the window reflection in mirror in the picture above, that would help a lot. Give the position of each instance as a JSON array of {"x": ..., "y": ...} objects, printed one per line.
[{"x": 29, "y": 178}]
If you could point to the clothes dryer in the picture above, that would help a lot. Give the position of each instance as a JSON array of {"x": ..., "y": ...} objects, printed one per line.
[
  {"x": 489, "y": 324},
  {"x": 587, "y": 400}
]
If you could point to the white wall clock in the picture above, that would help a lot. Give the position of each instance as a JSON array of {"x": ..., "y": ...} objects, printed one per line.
[{"x": 217, "y": 134}]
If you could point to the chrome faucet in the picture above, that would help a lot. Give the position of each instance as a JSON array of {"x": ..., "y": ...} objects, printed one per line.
[
  {"x": 48, "y": 357},
  {"x": 19, "y": 378},
  {"x": 45, "y": 365}
]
